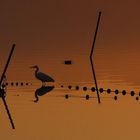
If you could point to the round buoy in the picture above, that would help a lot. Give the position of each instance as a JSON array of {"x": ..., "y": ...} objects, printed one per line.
[
  {"x": 62, "y": 86},
  {"x": 84, "y": 88},
  {"x": 87, "y": 97},
  {"x": 116, "y": 91},
  {"x": 124, "y": 92},
  {"x": 21, "y": 83},
  {"x": 77, "y": 87},
  {"x": 137, "y": 98},
  {"x": 132, "y": 93},
  {"x": 27, "y": 84},
  {"x": 66, "y": 96},
  {"x": 16, "y": 83},
  {"x": 93, "y": 89},
  {"x": 108, "y": 90},
  {"x": 101, "y": 90},
  {"x": 12, "y": 83},
  {"x": 115, "y": 97},
  {"x": 6, "y": 84},
  {"x": 69, "y": 86}
]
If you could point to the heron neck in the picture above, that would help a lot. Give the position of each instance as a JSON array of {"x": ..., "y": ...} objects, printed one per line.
[{"x": 37, "y": 69}]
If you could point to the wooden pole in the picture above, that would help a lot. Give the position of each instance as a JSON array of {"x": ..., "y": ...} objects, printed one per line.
[
  {"x": 91, "y": 53},
  {"x": 2, "y": 77}
]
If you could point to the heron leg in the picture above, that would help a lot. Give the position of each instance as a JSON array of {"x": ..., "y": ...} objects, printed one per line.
[
  {"x": 37, "y": 99},
  {"x": 43, "y": 84}
]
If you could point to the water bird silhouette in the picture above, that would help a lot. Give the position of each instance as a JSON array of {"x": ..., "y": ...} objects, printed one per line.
[
  {"x": 41, "y": 91},
  {"x": 42, "y": 76}
]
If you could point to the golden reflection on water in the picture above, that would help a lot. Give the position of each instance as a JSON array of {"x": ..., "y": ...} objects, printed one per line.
[
  {"x": 75, "y": 118},
  {"x": 58, "y": 118}
]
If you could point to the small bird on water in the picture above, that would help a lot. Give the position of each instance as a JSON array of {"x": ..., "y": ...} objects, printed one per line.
[{"x": 42, "y": 76}]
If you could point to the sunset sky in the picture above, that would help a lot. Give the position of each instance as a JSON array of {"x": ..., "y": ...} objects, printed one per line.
[{"x": 47, "y": 32}]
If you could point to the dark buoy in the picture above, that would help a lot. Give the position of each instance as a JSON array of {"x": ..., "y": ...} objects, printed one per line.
[
  {"x": 137, "y": 98},
  {"x": 132, "y": 93},
  {"x": 62, "y": 86},
  {"x": 27, "y": 84},
  {"x": 21, "y": 83},
  {"x": 115, "y": 97},
  {"x": 139, "y": 93},
  {"x": 124, "y": 92},
  {"x": 77, "y": 87},
  {"x": 116, "y": 91},
  {"x": 66, "y": 96},
  {"x": 69, "y": 87},
  {"x": 6, "y": 84},
  {"x": 12, "y": 83},
  {"x": 93, "y": 89},
  {"x": 108, "y": 91},
  {"x": 67, "y": 62},
  {"x": 84, "y": 88},
  {"x": 101, "y": 90},
  {"x": 87, "y": 97},
  {"x": 16, "y": 83}
]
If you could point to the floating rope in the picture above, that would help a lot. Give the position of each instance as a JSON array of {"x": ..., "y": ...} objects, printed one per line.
[{"x": 102, "y": 91}]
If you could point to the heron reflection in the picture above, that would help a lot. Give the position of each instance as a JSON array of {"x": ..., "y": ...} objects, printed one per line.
[{"x": 41, "y": 91}]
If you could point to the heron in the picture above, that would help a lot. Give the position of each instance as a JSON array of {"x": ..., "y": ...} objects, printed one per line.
[{"x": 42, "y": 76}]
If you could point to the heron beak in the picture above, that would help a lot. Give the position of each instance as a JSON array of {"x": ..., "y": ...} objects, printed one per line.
[{"x": 32, "y": 67}]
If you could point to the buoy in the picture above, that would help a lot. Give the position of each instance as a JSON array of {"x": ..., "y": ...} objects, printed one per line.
[
  {"x": 108, "y": 91},
  {"x": 115, "y": 97},
  {"x": 27, "y": 84},
  {"x": 12, "y": 83},
  {"x": 93, "y": 89},
  {"x": 101, "y": 90},
  {"x": 77, "y": 87},
  {"x": 66, "y": 96},
  {"x": 87, "y": 97},
  {"x": 116, "y": 91},
  {"x": 124, "y": 92},
  {"x": 84, "y": 88},
  {"x": 132, "y": 93},
  {"x": 137, "y": 98},
  {"x": 69, "y": 86}
]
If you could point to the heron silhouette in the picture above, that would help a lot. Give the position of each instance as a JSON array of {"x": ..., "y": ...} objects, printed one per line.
[
  {"x": 42, "y": 76},
  {"x": 41, "y": 91}
]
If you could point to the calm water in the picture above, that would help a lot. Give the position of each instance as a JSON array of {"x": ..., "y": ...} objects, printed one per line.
[
  {"x": 76, "y": 118},
  {"x": 50, "y": 31}
]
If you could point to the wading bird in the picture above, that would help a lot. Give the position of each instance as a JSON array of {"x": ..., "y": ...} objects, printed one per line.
[{"x": 42, "y": 76}]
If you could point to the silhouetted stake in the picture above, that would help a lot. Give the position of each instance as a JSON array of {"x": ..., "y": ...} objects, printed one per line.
[
  {"x": 93, "y": 71},
  {"x": 2, "y": 77}
]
